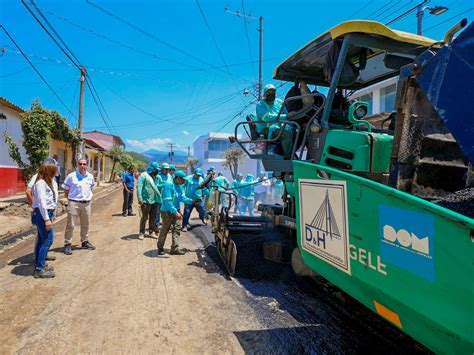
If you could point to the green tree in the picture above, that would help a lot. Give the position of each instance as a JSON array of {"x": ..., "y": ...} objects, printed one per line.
[
  {"x": 191, "y": 163},
  {"x": 39, "y": 126},
  {"x": 232, "y": 158},
  {"x": 140, "y": 161}
]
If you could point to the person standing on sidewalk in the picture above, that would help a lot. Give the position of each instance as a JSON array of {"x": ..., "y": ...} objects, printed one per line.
[
  {"x": 148, "y": 196},
  {"x": 195, "y": 198},
  {"x": 45, "y": 200},
  {"x": 78, "y": 187},
  {"x": 173, "y": 195},
  {"x": 128, "y": 183}
]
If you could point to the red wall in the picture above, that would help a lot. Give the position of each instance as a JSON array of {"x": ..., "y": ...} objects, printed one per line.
[{"x": 12, "y": 181}]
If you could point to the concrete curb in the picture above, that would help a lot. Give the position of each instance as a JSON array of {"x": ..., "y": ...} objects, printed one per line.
[{"x": 15, "y": 239}]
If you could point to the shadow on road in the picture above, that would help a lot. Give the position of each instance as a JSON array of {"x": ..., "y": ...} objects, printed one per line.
[
  {"x": 24, "y": 265},
  {"x": 153, "y": 253},
  {"x": 208, "y": 259},
  {"x": 130, "y": 237}
]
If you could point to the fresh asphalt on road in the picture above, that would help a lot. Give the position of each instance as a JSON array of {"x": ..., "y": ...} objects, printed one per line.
[{"x": 123, "y": 297}]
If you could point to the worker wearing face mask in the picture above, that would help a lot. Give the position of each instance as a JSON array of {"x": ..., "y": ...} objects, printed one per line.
[{"x": 267, "y": 117}]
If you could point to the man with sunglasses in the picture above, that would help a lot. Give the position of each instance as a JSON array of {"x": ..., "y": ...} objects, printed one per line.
[{"x": 78, "y": 187}]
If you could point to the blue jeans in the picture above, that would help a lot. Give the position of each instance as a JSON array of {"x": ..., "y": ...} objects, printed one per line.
[
  {"x": 44, "y": 238},
  {"x": 246, "y": 204},
  {"x": 189, "y": 208}
]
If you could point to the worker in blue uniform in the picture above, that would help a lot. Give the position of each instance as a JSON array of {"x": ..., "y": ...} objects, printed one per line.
[
  {"x": 195, "y": 198},
  {"x": 222, "y": 185},
  {"x": 247, "y": 195},
  {"x": 267, "y": 119},
  {"x": 173, "y": 194},
  {"x": 172, "y": 169}
]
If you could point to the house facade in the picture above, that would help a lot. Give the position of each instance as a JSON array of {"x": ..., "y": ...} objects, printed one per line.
[
  {"x": 12, "y": 180},
  {"x": 209, "y": 149},
  {"x": 380, "y": 96},
  {"x": 97, "y": 144}
]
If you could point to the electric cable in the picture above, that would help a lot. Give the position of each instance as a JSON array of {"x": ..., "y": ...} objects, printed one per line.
[
  {"x": 36, "y": 70},
  {"x": 248, "y": 41}
]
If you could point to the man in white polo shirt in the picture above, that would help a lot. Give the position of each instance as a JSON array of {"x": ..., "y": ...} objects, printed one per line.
[{"x": 78, "y": 188}]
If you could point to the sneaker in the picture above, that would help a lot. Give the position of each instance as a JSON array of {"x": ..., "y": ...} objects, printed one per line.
[
  {"x": 204, "y": 222},
  {"x": 88, "y": 245},
  {"x": 161, "y": 251},
  {"x": 50, "y": 258},
  {"x": 124, "y": 215},
  {"x": 184, "y": 229},
  {"x": 177, "y": 251},
  {"x": 68, "y": 249},
  {"x": 47, "y": 267},
  {"x": 132, "y": 214},
  {"x": 141, "y": 236},
  {"x": 44, "y": 274}
]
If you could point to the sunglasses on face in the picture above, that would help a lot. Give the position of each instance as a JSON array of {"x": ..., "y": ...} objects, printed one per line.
[{"x": 85, "y": 164}]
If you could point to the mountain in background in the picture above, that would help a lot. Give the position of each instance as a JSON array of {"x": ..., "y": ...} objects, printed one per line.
[{"x": 162, "y": 156}]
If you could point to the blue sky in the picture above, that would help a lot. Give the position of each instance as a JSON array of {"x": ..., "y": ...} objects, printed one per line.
[{"x": 166, "y": 81}]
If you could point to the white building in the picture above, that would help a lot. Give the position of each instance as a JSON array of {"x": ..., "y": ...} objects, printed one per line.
[
  {"x": 210, "y": 147},
  {"x": 380, "y": 96}
]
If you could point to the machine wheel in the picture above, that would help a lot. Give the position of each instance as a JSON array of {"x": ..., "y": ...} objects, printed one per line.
[{"x": 298, "y": 266}]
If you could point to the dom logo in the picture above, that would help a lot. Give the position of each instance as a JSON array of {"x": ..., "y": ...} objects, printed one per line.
[{"x": 407, "y": 240}]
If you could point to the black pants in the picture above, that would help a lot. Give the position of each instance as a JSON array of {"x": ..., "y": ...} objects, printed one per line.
[
  {"x": 127, "y": 201},
  {"x": 148, "y": 213}
]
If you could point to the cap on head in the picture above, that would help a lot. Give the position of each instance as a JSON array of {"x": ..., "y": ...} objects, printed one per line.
[
  {"x": 211, "y": 168},
  {"x": 180, "y": 174},
  {"x": 165, "y": 166},
  {"x": 172, "y": 167},
  {"x": 198, "y": 171},
  {"x": 239, "y": 175},
  {"x": 155, "y": 165},
  {"x": 268, "y": 87},
  {"x": 220, "y": 173},
  {"x": 262, "y": 172},
  {"x": 249, "y": 177}
]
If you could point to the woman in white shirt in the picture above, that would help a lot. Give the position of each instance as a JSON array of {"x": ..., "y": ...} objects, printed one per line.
[{"x": 45, "y": 199}]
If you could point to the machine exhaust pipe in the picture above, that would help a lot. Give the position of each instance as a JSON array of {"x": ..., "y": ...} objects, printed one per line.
[{"x": 448, "y": 37}]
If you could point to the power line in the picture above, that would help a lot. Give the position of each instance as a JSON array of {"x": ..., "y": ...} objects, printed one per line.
[
  {"x": 394, "y": 12},
  {"x": 157, "y": 39},
  {"x": 36, "y": 70},
  {"x": 363, "y": 7},
  {"x": 15, "y": 72},
  {"x": 153, "y": 55},
  {"x": 215, "y": 41},
  {"x": 387, "y": 9},
  {"x": 248, "y": 39},
  {"x": 406, "y": 13},
  {"x": 76, "y": 64},
  {"x": 379, "y": 9}
]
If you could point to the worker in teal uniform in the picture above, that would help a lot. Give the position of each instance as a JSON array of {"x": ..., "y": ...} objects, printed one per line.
[
  {"x": 172, "y": 169},
  {"x": 222, "y": 185},
  {"x": 173, "y": 194},
  {"x": 209, "y": 180},
  {"x": 278, "y": 188},
  {"x": 236, "y": 184},
  {"x": 247, "y": 195},
  {"x": 267, "y": 117},
  {"x": 194, "y": 194}
]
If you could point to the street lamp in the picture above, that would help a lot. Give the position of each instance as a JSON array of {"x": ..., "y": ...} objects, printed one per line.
[{"x": 435, "y": 10}]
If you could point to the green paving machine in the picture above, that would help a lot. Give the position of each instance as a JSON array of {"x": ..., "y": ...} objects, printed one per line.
[{"x": 381, "y": 206}]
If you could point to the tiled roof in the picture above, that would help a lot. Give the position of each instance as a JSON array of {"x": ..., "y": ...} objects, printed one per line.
[{"x": 9, "y": 104}]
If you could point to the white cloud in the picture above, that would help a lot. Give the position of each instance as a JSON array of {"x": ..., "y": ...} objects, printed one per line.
[
  {"x": 150, "y": 143},
  {"x": 186, "y": 133}
]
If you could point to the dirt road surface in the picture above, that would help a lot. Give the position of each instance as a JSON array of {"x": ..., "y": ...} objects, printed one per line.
[{"x": 123, "y": 298}]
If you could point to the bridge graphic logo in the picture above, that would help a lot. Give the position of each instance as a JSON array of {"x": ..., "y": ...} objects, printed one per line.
[{"x": 324, "y": 227}]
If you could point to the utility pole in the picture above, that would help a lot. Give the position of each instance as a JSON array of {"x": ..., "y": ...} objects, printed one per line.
[
  {"x": 171, "y": 146},
  {"x": 189, "y": 151},
  {"x": 260, "y": 50},
  {"x": 80, "y": 122},
  {"x": 260, "y": 57}
]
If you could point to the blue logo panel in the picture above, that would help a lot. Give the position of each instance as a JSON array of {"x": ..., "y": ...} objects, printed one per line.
[{"x": 407, "y": 240}]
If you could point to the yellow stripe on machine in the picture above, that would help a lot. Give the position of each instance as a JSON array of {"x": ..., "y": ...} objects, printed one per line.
[{"x": 388, "y": 314}]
